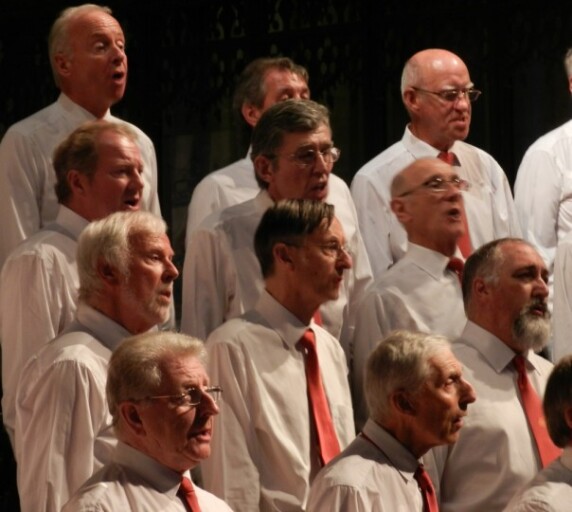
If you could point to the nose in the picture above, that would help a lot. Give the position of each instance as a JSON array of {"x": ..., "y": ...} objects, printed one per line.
[
  {"x": 208, "y": 405},
  {"x": 541, "y": 288},
  {"x": 137, "y": 180},
  {"x": 345, "y": 258},
  {"x": 321, "y": 165},
  {"x": 119, "y": 54},
  {"x": 462, "y": 102},
  {"x": 171, "y": 272},
  {"x": 468, "y": 394}
]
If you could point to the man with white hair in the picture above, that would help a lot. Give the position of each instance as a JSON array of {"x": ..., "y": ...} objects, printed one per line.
[
  {"x": 505, "y": 441},
  {"x": 89, "y": 64},
  {"x": 417, "y": 399},
  {"x": 63, "y": 428}
]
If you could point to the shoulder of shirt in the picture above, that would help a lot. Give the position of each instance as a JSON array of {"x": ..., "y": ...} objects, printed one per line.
[
  {"x": 37, "y": 121},
  {"x": 40, "y": 245},
  {"x": 217, "y": 219},
  {"x": 559, "y": 134},
  {"x": 232, "y": 331},
  {"x": 381, "y": 162}
]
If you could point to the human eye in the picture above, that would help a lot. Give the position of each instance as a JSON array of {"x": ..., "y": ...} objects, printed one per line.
[
  {"x": 306, "y": 156},
  {"x": 449, "y": 94},
  {"x": 434, "y": 184}
]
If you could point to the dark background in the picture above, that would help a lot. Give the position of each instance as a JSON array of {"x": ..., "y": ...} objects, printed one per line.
[{"x": 184, "y": 56}]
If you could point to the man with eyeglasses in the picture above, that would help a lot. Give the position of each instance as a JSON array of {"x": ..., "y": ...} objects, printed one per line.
[
  {"x": 63, "y": 429},
  {"x": 263, "y": 82},
  {"x": 422, "y": 291},
  {"x": 437, "y": 92},
  {"x": 286, "y": 409},
  {"x": 293, "y": 156},
  {"x": 163, "y": 410}
]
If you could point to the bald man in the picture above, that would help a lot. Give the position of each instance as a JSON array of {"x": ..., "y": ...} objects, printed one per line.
[{"x": 438, "y": 93}]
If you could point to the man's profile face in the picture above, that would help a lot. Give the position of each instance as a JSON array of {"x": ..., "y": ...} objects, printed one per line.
[
  {"x": 117, "y": 183},
  {"x": 96, "y": 69},
  {"x": 442, "y": 403},
  {"x": 146, "y": 293},
  {"x": 177, "y": 435}
]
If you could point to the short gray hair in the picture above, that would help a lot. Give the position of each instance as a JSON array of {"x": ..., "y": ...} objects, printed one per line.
[
  {"x": 58, "y": 39},
  {"x": 399, "y": 362},
  {"x": 289, "y": 116},
  {"x": 558, "y": 398},
  {"x": 136, "y": 368},
  {"x": 108, "y": 241}
]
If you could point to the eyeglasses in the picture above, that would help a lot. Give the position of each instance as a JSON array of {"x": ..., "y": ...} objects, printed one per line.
[
  {"x": 334, "y": 248},
  {"x": 439, "y": 185},
  {"x": 191, "y": 397},
  {"x": 452, "y": 95},
  {"x": 307, "y": 157}
]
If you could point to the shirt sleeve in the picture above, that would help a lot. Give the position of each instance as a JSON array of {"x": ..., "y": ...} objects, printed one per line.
[
  {"x": 562, "y": 308},
  {"x": 21, "y": 185},
  {"x": 231, "y": 472},
  {"x": 209, "y": 284},
  {"x": 58, "y": 418},
  {"x": 340, "y": 498}
]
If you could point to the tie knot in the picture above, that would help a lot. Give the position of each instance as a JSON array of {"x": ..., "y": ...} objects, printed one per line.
[
  {"x": 308, "y": 340},
  {"x": 519, "y": 364},
  {"x": 186, "y": 485},
  {"x": 448, "y": 157},
  {"x": 456, "y": 265}
]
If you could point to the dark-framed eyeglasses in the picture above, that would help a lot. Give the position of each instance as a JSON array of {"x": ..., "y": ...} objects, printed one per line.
[
  {"x": 191, "y": 397},
  {"x": 439, "y": 185},
  {"x": 305, "y": 158},
  {"x": 452, "y": 95}
]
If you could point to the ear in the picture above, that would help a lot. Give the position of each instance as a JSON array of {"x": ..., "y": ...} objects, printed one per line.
[
  {"x": 107, "y": 273},
  {"x": 568, "y": 417},
  {"x": 77, "y": 182},
  {"x": 480, "y": 288},
  {"x": 130, "y": 417},
  {"x": 570, "y": 84},
  {"x": 403, "y": 403},
  {"x": 399, "y": 208},
  {"x": 62, "y": 64},
  {"x": 281, "y": 254},
  {"x": 251, "y": 113},
  {"x": 410, "y": 100},
  {"x": 264, "y": 169}
]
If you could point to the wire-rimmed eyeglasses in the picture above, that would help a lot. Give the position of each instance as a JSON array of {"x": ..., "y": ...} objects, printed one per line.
[
  {"x": 307, "y": 157},
  {"x": 452, "y": 95},
  {"x": 439, "y": 185},
  {"x": 191, "y": 397}
]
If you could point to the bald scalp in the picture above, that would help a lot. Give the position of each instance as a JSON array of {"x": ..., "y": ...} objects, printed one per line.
[{"x": 405, "y": 179}]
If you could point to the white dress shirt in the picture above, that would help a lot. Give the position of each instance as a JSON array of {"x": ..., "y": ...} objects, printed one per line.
[
  {"x": 543, "y": 191},
  {"x": 549, "y": 491},
  {"x": 263, "y": 454},
  {"x": 135, "y": 482},
  {"x": 63, "y": 426},
  {"x": 222, "y": 277},
  {"x": 373, "y": 474},
  {"x": 562, "y": 299},
  {"x": 27, "y": 178},
  {"x": 220, "y": 189},
  {"x": 418, "y": 293},
  {"x": 488, "y": 203},
  {"x": 495, "y": 454},
  {"x": 38, "y": 299}
]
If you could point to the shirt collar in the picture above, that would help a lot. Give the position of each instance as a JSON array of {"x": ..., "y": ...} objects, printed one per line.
[
  {"x": 420, "y": 149},
  {"x": 399, "y": 456},
  {"x": 76, "y": 112},
  {"x": 280, "y": 320},
  {"x": 73, "y": 223},
  {"x": 496, "y": 352},
  {"x": 432, "y": 262}
]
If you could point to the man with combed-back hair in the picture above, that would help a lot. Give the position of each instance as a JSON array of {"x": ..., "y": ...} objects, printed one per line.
[
  {"x": 98, "y": 172},
  {"x": 417, "y": 399},
  {"x": 551, "y": 489},
  {"x": 268, "y": 445},
  {"x": 87, "y": 54},
  {"x": 293, "y": 154},
  {"x": 263, "y": 82},
  {"x": 63, "y": 428},
  {"x": 504, "y": 441},
  {"x": 163, "y": 410}
]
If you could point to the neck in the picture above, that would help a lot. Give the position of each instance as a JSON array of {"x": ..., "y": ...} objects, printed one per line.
[
  {"x": 298, "y": 304},
  {"x": 418, "y": 130}
]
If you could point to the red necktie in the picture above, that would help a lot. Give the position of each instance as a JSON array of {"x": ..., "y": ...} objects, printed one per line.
[
  {"x": 464, "y": 242},
  {"x": 328, "y": 446},
  {"x": 427, "y": 490},
  {"x": 187, "y": 494},
  {"x": 456, "y": 265},
  {"x": 533, "y": 409}
]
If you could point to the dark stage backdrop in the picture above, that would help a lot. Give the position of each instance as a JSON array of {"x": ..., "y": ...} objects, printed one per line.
[{"x": 184, "y": 56}]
